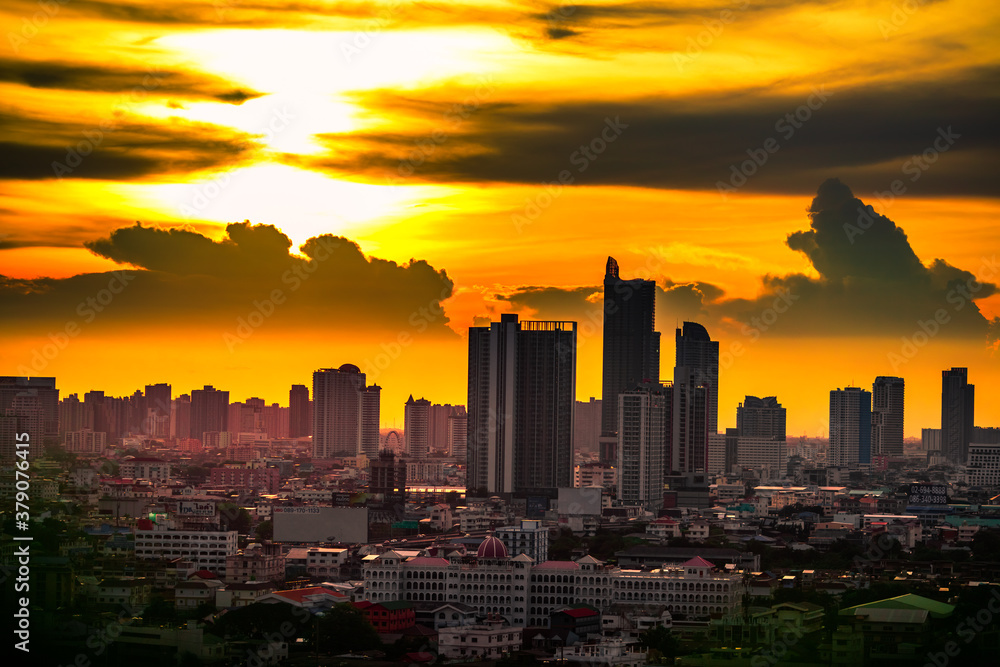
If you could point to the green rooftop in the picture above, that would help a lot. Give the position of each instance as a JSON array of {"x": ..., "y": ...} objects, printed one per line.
[{"x": 908, "y": 601}]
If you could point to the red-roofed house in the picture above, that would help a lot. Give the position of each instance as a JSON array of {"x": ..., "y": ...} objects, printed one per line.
[
  {"x": 581, "y": 621},
  {"x": 314, "y": 598}
]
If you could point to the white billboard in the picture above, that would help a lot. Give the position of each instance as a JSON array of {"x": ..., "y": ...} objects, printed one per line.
[
  {"x": 196, "y": 508},
  {"x": 314, "y": 523}
]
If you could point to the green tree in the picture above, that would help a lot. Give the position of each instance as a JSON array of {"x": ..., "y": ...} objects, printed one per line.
[
  {"x": 344, "y": 629},
  {"x": 663, "y": 646},
  {"x": 265, "y": 530}
]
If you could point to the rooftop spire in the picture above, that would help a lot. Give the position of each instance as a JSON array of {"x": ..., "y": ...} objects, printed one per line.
[{"x": 612, "y": 269}]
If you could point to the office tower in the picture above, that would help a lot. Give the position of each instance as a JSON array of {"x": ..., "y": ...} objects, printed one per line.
[
  {"x": 158, "y": 398},
  {"x": 643, "y": 430},
  {"x": 387, "y": 477},
  {"x": 275, "y": 420},
  {"x": 699, "y": 353},
  {"x": 136, "y": 408},
  {"x": 587, "y": 426},
  {"x": 27, "y": 408},
  {"x": 458, "y": 434},
  {"x": 437, "y": 426},
  {"x": 958, "y": 400},
  {"x": 42, "y": 387},
  {"x": 887, "y": 416},
  {"x": 850, "y": 427},
  {"x": 761, "y": 418},
  {"x": 299, "y": 420},
  {"x": 73, "y": 415},
  {"x": 246, "y": 417},
  {"x": 631, "y": 347},
  {"x": 416, "y": 422},
  {"x": 687, "y": 450},
  {"x": 930, "y": 439},
  {"x": 337, "y": 411},
  {"x": 180, "y": 417},
  {"x": 371, "y": 401},
  {"x": 209, "y": 411},
  {"x": 522, "y": 394}
]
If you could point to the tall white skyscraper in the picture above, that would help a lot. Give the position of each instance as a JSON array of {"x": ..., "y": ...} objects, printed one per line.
[{"x": 643, "y": 423}]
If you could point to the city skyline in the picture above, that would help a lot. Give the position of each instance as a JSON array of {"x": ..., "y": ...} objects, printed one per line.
[{"x": 253, "y": 217}]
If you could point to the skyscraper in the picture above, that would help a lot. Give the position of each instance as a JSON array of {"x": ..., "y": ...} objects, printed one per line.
[
  {"x": 337, "y": 411},
  {"x": 416, "y": 427},
  {"x": 687, "y": 450},
  {"x": 850, "y": 427},
  {"x": 958, "y": 405},
  {"x": 760, "y": 418},
  {"x": 157, "y": 406},
  {"x": 458, "y": 432},
  {"x": 371, "y": 402},
  {"x": 887, "y": 416},
  {"x": 643, "y": 420},
  {"x": 631, "y": 346},
  {"x": 437, "y": 427},
  {"x": 299, "y": 422},
  {"x": 697, "y": 352},
  {"x": 180, "y": 417},
  {"x": 42, "y": 387},
  {"x": 209, "y": 411},
  {"x": 522, "y": 394}
]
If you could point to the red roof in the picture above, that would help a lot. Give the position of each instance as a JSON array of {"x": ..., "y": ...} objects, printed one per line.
[
  {"x": 492, "y": 547},
  {"x": 426, "y": 560},
  {"x": 300, "y": 594},
  {"x": 579, "y": 613},
  {"x": 698, "y": 561},
  {"x": 557, "y": 565},
  {"x": 204, "y": 574}
]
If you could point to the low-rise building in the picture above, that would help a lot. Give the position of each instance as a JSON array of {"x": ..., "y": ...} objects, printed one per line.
[{"x": 487, "y": 641}]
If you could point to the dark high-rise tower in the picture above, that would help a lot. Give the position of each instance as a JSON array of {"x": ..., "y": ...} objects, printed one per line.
[
  {"x": 522, "y": 395},
  {"x": 299, "y": 421},
  {"x": 760, "y": 418},
  {"x": 887, "y": 416},
  {"x": 631, "y": 347},
  {"x": 209, "y": 411},
  {"x": 958, "y": 402},
  {"x": 850, "y": 428},
  {"x": 699, "y": 353}
]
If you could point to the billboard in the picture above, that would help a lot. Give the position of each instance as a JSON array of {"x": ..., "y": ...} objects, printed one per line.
[
  {"x": 196, "y": 508},
  {"x": 315, "y": 523},
  {"x": 585, "y": 501},
  {"x": 928, "y": 494}
]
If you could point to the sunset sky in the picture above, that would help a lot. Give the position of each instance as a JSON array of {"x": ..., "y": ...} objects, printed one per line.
[{"x": 170, "y": 167}]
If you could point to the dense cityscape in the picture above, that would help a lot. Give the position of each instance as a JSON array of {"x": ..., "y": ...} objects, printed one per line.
[{"x": 524, "y": 527}]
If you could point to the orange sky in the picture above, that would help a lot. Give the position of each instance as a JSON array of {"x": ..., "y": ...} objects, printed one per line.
[{"x": 426, "y": 133}]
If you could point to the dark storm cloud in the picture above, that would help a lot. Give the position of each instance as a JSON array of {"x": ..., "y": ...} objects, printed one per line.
[
  {"x": 870, "y": 284},
  {"x": 184, "y": 278},
  {"x": 869, "y": 135},
  {"x": 114, "y": 148},
  {"x": 108, "y": 79},
  {"x": 554, "y": 303}
]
